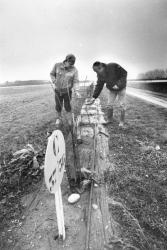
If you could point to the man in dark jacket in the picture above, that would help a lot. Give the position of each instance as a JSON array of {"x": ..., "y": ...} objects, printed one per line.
[{"x": 115, "y": 78}]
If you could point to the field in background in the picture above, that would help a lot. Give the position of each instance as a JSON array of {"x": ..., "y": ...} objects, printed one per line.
[
  {"x": 24, "y": 83},
  {"x": 25, "y": 110}
]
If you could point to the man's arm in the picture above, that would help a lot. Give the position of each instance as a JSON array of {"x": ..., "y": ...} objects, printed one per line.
[
  {"x": 74, "y": 84},
  {"x": 53, "y": 74},
  {"x": 98, "y": 88},
  {"x": 75, "y": 78},
  {"x": 97, "y": 91}
]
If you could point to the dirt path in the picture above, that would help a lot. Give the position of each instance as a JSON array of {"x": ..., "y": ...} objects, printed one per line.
[{"x": 40, "y": 227}]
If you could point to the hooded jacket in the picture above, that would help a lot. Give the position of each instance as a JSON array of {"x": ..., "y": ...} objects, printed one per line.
[
  {"x": 114, "y": 76},
  {"x": 64, "y": 78}
]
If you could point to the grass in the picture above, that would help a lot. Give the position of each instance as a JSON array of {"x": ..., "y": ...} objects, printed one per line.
[
  {"x": 139, "y": 182},
  {"x": 28, "y": 113},
  {"x": 24, "y": 110}
]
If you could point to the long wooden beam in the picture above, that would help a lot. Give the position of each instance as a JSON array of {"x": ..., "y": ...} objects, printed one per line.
[{"x": 102, "y": 230}]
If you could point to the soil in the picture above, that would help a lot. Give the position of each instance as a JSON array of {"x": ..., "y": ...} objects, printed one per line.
[{"x": 39, "y": 228}]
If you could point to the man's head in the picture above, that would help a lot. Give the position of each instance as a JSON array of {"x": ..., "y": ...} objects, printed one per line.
[
  {"x": 69, "y": 60},
  {"x": 99, "y": 68}
]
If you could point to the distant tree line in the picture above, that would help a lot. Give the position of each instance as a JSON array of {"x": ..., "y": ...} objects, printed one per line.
[
  {"x": 156, "y": 74},
  {"x": 22, "y": 83}
]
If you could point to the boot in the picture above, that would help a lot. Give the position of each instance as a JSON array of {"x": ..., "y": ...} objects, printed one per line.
[
  {"x": 110, "y": 112},
  {"x": 71, "y": 178},
  {"x": 72, "y": 184},
  {"x": 122, "y": 120},
  {"x": 58, "y": 122},
  {"x": 69, "y": 118}
]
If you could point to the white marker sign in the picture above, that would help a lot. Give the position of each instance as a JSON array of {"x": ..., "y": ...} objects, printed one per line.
[{"x": 53, "y": 172}]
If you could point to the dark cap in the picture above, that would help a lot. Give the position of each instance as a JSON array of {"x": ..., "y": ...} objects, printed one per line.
[{"x": 71, "y": 59}]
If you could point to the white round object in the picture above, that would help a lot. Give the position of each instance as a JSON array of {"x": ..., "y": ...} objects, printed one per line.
[
  {"x": 157, "y": 147},
  {"x": 95, "y": 206},
  {"x": 54, "y": 161},
  {"x": 73, "y": 198}
]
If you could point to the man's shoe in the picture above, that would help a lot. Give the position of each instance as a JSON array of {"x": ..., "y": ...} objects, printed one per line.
[
  {"x": 69, "y": 119},
  {"x": 58, "y": 123},
  {"x": 109, "y": 116},
  {"x": 108, "y": 122},
  {"x": 121, "y": 124}
]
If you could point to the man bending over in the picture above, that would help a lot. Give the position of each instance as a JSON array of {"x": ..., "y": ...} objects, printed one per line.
[{"x": 115, "y": 78}]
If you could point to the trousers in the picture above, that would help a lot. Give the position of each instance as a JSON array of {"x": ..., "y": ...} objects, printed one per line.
[
  {"x": 120, "y": 95},
  {"x": 63, "y": 99}
]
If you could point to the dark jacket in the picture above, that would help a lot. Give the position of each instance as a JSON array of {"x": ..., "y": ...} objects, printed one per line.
[{"x": 114, "y": 76}]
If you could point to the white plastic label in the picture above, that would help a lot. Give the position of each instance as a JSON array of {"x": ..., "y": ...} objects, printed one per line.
[{"x": 54, "y": 161}]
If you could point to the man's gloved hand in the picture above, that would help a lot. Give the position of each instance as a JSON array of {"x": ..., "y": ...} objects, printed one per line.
[
  {"x": 54, "y": 84},
  {"x": 91, "y": 101},
  {"x": 76, "y": 94},
  {"x": 115, "y": 87}
]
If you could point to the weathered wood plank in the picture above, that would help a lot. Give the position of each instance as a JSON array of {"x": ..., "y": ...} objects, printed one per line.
[
  {"x": 100, "y": 197},
  {"x": 102, "y": 230}
]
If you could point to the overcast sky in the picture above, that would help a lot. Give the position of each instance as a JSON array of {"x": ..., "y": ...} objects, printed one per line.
[{"x": 34, "y": 34}]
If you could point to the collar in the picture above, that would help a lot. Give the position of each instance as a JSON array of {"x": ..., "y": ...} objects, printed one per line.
[
  {"x": 105, "y": 68},
  {"x": 62, "y": 66},
  {"x": 105, "y": 71}
]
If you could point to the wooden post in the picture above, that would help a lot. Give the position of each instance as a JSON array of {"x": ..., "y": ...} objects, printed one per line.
[{"x": 101, "y": 228}]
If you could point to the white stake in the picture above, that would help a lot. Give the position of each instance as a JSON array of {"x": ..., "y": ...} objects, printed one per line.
[
  {"x": 54, "y": 169},
  {"x": 60, "y": 213}
]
